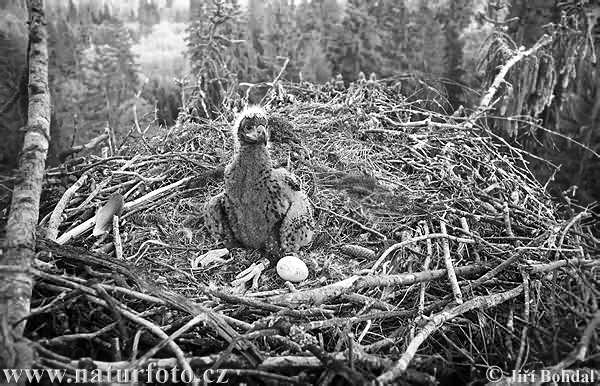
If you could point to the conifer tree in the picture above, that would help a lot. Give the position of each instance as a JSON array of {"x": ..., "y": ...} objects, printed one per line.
[
  {"x": 393, "y": 19},
  {"x": 212, "y": 40},
  {"x": 148, "y": 15},
  {"x": 281, "y": 38},
  {"x": 454, "y": 20},
  {"x": 109, "y": 74},
  {"x": 315, "y": 65},
  {"x": 318, "y": 21},
  {"x": 359, "y": 41}
]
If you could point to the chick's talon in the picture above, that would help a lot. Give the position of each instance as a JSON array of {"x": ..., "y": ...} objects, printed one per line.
[{"x": 251, "y": 273}]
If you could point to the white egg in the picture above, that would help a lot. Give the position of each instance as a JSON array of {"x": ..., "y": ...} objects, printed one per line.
[{"x": 292, "y": 268}]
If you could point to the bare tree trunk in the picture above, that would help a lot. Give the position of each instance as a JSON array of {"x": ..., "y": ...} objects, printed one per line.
[{"x": 15, "y": 280}]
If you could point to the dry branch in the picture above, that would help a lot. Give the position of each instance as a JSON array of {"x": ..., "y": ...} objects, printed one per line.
[
  {"x": 486, "y": 100},
  {"x": 426, "y": 264},
  {"x": 450, "y": 265},
  {"x": 89, "y": 224},
  {"x": 436, "y": 322},
  {"x": 88, "y": 146},
  {"x": 579, "y": 353},
  {"x": 404, "y": 243},
  {"x": 57, "y": 213},
  {"x": 117, "y": 238},
  {"x": 354, "y": 283}
]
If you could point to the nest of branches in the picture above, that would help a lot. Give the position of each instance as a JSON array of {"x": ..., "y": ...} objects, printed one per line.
[{"x": 437, "y": 255}]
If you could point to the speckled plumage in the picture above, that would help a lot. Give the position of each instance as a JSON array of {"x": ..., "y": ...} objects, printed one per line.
[{"x": 261, "y": 207}]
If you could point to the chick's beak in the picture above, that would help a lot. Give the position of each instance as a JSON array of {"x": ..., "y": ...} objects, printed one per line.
[{"x": 258, "y": 134}]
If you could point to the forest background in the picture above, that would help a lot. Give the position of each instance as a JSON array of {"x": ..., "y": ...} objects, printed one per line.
[{"x": 115, "y": 62}]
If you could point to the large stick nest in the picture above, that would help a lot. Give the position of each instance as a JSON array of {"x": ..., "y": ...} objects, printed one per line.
[{"x": 402, "y": 194}]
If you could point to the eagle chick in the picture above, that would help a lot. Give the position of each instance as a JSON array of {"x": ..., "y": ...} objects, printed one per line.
[{"x": 261, "y": 207}]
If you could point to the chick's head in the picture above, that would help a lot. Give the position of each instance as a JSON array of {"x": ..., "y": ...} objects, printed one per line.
[{"x": 251, "y": 127}]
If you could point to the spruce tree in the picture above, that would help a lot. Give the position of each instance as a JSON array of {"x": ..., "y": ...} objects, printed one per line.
[
  {"x": 109, "y": 74},
  {"x": 281, "y": 38},
  {"x": 212, "y": 41},
  {"x": 455, "y": 19},
  {"x": 359, "y": 41}
]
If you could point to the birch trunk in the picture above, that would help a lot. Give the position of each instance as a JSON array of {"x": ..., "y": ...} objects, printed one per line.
[{"x": 18, "y": 251}]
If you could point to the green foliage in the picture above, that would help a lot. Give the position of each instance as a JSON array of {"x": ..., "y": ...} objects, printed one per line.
[
  {"x": 552, "y": 97},
  {"x": 109, "y": 75},
  {"x": 95, "y": 77},
  {"x": 393, "y": 17},
  {"x": 13, "y": 87},
  {"x": 323, "y": 38},
  {"x": 315, "y": 65},
  {"x": 455, "y": 20},
  {"x": 210, "y": 37},
  {"x": 211, "y": 42},
  {"x": 148, "y": 15},
  {"x": 280, "y": 37},
  {"x": 359, "y": 43},
  {"x": 160, "y": 56}
]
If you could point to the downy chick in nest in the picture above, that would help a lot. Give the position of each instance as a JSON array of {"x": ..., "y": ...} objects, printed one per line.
[{"x": 261, "y": 207}]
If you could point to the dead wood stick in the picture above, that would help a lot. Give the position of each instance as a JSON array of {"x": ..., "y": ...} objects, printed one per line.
[
  {"x": 132, "y": 293},
  {"x": 214, "y": 319},
  {"x": 88, "y": 146},
  {"x": 156, "y": 330},
  {"x": 450, "y": 266},
  {"x": 421, "y": 123},
  {"x": 155, "y": 193},
  {"x": 166, "y": 363},
  {"x": 48, "y": 353},
  {"x": 256, "y": 303},
  {"x": 117, "y": 238},
  {"x": 526, "y": 312},
  {"x": 209, "y": 316},
  {"x": 404, "y": 243},
  {"x": 465, "y": 227},
  {"x": 579, "y": 353},
  {"x": 492, "y": 273},
  {"x": 327, "y": 323},
  {"x": 552, "y": 249},
  {"x": 353, "y": 221},
  {"x": 147, "y": 180},
  {"x": 19, "y": 249},
  {"x": 368, "y": 301},
  {"x": 578, "y": 217},
  {"x": 150, "y": 353},
  {"x": 487, "y": 98},
  {"x": 80, "y": 256},
  {"x": 56, "y": 217},
  {"x": 426, "y": 264},
  {"x": 131, "y": 205},
  {"x": 274, "y": 82},
  {"x": 83, "y": 335},
  {"x": 540, "y": 268},
  {"x": 233, "y": 360},
  {"x": 103, "y": 184},
  {"x": 356, "y": 282},
  {"x": 91, "y": 293},
  {"x": 480, "y": 302},
  {"x": 217, "y": 321}
]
